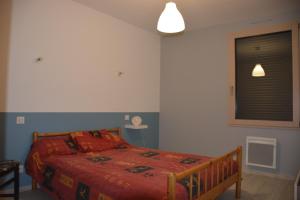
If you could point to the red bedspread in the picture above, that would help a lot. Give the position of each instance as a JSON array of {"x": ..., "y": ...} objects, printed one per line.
[{"x": 127, "y": 173}]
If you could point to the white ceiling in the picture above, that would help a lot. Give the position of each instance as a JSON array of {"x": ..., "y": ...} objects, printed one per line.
[{"x": 197, "y": 13}]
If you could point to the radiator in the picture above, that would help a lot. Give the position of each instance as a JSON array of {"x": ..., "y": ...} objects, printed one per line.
[{"x": 261, "y": 152}]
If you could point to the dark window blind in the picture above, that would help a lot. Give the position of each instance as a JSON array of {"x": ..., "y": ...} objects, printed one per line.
[{"x": 269, "y": 97}]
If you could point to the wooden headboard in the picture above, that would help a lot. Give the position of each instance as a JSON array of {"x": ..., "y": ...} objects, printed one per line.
[{"x": 38, "y": 135}]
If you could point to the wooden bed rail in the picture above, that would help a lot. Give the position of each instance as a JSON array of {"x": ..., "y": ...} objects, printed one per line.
[{"x": 211, "y": 178}]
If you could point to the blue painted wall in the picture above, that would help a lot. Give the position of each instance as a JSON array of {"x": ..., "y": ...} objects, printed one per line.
[{"x": 15, "y": 140}]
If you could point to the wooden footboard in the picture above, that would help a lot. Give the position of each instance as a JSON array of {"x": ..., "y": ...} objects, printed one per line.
[{"x": 208, "y": 180}]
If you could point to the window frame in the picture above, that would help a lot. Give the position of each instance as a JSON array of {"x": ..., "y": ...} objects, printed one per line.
[{"x": 294, "y": 28}]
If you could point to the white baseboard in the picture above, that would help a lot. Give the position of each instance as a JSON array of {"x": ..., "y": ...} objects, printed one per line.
[
  {"x": 271, "y": 175},
  {"x": 22, "y": 189}
]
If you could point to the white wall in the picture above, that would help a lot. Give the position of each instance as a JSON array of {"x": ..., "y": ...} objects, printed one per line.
[
  {"x": 194, "y": 98},
  {"x": 82, "y": 51}
]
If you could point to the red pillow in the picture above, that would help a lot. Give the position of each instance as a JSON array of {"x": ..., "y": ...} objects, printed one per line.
[
  {"x": 88, "y": 143},
  {"x": 78, "y": 133},
  {"x": 49, "y": 147},
  {"x": 112, "y": 137}
]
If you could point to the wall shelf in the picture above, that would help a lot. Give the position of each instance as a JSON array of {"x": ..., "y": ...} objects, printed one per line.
[{"x": 130, "y": 126}]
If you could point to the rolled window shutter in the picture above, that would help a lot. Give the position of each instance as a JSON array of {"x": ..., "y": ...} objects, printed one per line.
[{"x": 269, "y": 97}]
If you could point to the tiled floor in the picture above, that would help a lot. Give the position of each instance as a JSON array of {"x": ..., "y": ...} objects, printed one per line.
[{"x": 254, "y": 187}]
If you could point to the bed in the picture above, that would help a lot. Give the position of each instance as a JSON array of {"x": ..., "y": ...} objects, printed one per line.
[{"x": 122, "y": 171}]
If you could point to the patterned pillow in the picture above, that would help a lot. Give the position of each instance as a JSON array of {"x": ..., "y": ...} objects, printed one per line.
[
  {"x": 87, "y": 143},
  {"x": 79, "y": 133},
  {"x": 95, "y": 133},
  {"x": 112, "y": 137},
  {"x": 49, "y": 147}
]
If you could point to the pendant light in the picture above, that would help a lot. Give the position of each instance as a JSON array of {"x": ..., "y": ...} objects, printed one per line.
[
  {"x": 258, "y": 71},
  {"x": 170, "y": 20}
]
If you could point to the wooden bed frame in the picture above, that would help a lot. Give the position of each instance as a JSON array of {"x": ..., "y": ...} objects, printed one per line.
[{"x": 221, "y": 166}]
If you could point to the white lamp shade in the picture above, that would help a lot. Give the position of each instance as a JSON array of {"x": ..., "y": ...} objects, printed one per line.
[
  {"x": 258, "y": 71},
  {"x": 170, "y": 20}
]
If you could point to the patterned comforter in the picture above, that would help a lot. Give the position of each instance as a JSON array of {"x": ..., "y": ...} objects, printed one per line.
[{"x": 125, "y": 173}]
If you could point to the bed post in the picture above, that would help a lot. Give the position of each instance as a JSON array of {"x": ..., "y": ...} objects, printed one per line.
[
  {"x": 34, "y": 183},
  {"x": 35, "y": 136},
  {"x": 171, "y": 186},
  {"x": 239, "y": 181}
]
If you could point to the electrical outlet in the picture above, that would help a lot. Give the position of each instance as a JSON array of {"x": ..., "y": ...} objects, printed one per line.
[
  {"x": 20, "y": 120},
  {"x": 127, "y": 117}
]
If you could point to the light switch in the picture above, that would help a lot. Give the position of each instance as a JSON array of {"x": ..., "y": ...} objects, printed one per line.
[
  {"x": 126, "y": 117},
  {"x": 20, "y": 120}
]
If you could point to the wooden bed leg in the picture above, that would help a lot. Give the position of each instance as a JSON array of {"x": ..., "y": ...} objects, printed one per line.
[
  {"x": 238, "y": 188},
  {"x": 34, "y": 185},
  {"x": 171, "y": 186}
]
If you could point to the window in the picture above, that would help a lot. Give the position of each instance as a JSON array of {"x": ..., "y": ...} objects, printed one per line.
[{"x": 264, "y": 77}]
